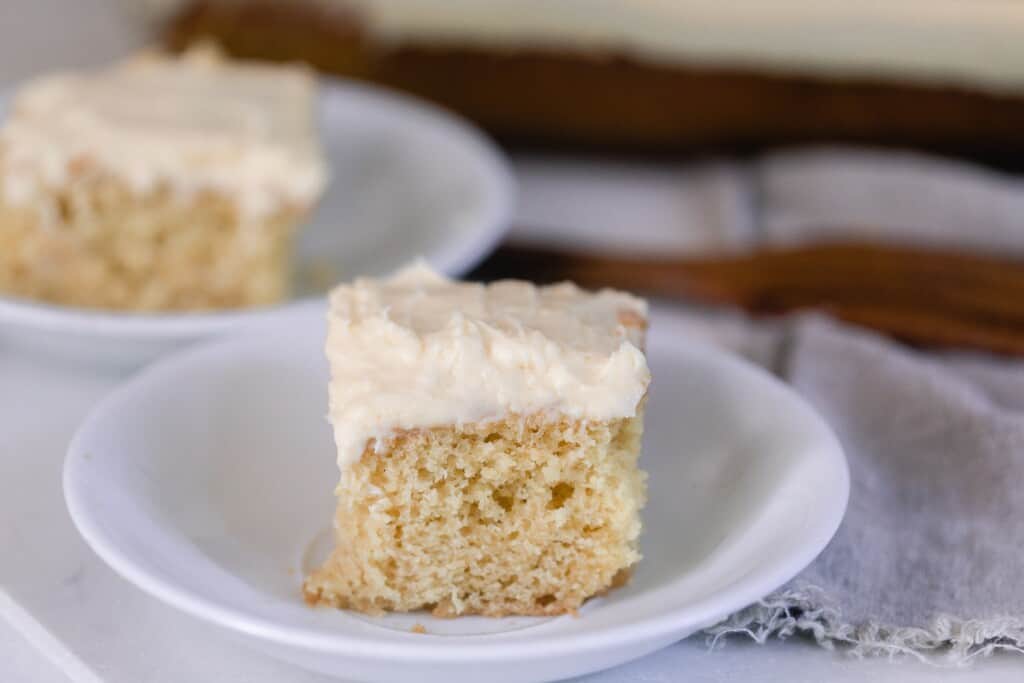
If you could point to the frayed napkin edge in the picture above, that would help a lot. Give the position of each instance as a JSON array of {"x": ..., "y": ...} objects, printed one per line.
[{"x": 805, "y": 610}]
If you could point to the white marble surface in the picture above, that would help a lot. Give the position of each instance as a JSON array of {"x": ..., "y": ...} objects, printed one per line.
[
  {"x": 65, "y": 616},
  {"x": 21, "y": 661}
]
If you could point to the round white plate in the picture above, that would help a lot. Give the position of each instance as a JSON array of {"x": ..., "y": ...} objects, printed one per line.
[
  {"x": 207, "y": 480},
  {"x": 407, "y": 180}
]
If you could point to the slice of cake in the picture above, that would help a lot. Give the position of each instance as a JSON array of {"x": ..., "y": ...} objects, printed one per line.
[
  {"x": 657, "y": 74},
  {"x": 488, "y": 439},
  {"x": 160, "y": 183}
]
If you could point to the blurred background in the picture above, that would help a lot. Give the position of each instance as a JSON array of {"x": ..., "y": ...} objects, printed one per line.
[
  {"x": 850, "y": 137},
  {"x": 661, "y": 77},
  {"x": 733, "y": 160},
  {"x": 659, "y": 130}
]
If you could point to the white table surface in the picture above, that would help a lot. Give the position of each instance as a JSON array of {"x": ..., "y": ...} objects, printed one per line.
[
  {"x": 65, "y": 616},
  {"x": 64, "y": 613}
]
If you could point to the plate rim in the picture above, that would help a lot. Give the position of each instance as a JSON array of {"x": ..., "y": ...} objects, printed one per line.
[
  {"x": 704, "y": 612},
  {"x": 453, "y": 258}
]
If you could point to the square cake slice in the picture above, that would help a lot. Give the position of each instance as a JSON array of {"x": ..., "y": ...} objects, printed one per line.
[
  {"x": 488, "y": 438},
  {"x": 160, "y": 183}
]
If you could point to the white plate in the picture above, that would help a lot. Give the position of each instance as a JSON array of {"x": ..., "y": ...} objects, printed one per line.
[
  {"x": 407, "y": 179},
  {"x": 207, "y": 481}
]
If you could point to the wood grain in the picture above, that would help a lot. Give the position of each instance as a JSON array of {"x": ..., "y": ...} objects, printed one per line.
[
  {"x": 922, "y": 296},
  {"x": 563, "y": 98}
]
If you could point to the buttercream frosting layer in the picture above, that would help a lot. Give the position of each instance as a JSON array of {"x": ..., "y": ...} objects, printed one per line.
[
  {"x": 188, "y": 124},
  {"x": 419, "y": 350},
  {"x": 967, "y": 42}
]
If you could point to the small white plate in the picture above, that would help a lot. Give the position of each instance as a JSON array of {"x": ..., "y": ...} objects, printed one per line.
[
  {"x": 407, "y": 180},
  {"x": 207, "y": 481}
]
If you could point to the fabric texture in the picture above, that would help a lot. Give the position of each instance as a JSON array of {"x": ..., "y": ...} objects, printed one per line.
[{"x": 929, "y": 560}]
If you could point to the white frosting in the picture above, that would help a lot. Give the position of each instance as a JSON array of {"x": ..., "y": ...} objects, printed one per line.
[
  {"x": 978, "y": 43},
  {"x": 190, "y": 124},
  {"x": 419, "y": 350},
  {"x": 974, "y": 43}
]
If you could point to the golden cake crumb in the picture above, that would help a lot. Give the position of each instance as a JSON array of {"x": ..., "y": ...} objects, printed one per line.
[
  {"x": 525, "y": 516},
  {"x": 111, "y": 248},
  {"x": 487, "y": 437},
  {"x": 157, "y": 183}
]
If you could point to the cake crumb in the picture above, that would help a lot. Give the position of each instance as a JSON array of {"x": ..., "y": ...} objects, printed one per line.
[
  {"x": 516, "y": 491},
  {"x": 184, "y": 211},
  {"x": 418, "y": 628}
]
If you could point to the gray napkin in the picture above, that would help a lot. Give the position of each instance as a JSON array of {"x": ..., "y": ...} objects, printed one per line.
[
  {"x": 930, "y": 557},
  {"x": 929, "y": 560},
  {"x": 816, "y": 195}
]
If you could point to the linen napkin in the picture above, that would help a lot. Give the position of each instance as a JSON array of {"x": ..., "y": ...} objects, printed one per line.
[
  {"x": 929, "y": 560},
  {"x": 930, "y": 556}
]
